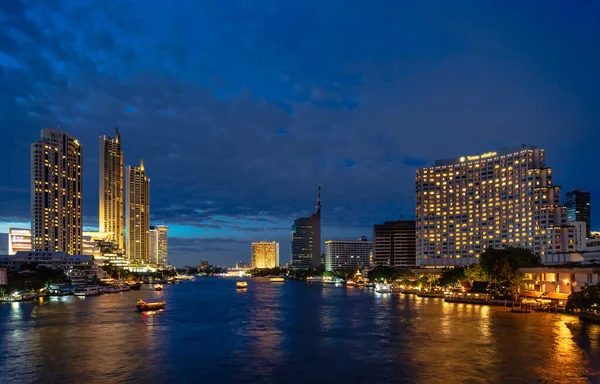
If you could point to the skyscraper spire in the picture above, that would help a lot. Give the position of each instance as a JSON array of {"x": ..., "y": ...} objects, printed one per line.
[
  {"x": 117, "y": 136},
  {"x": 319, "y": 200}
]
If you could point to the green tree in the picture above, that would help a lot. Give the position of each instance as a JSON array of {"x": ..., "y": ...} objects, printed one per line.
[
  {"x": 503, "y": 264},
  {"x": 585, "y": 300},
  {"x": 475, "y": 272},
  {"x": 452, "y": 276}
]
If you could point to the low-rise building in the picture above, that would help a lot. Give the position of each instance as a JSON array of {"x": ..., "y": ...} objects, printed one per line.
[
  {"x": 559, "y": 281},
  {"x": 85, "y": 264}
]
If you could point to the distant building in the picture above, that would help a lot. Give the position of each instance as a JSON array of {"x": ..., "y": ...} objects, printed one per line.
[
  {"x": 19, "y": 239},
  {"x": 111, "y": 188},
  {"x": 265, "y": 254},
  {"x": 56, "y": 193},
  {"x": 84, "y": 264},
  {"x": 137, "y": 214},
  {"x": 3, "y": 276},
  {"x": 347, "y": 254},
  {"x": 203, "y": 264},
  {"x": 579, "y": 208},
  {"x": 163, "y": 244},
  {"x": 152, "y": 245},
  {"x": 394, "y": 244},
  {"x": 306, "y": 240}
]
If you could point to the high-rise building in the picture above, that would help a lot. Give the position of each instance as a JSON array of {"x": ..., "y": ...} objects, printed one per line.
[
  {"x": 306, "y": 240},
  {"x": 137, "y": 214},
  {"x": 495, "y": 199},
  {"x": 19, "y": 239},
  {"x": 394, "y": 244},
  {"x": 93, "y": 243},
  {"x": 111, "y": 187},
  {"x": 158, "y": 246},
  {"x": 347, "y": 254},
  {"x": 152, "y": 245},
  {"x": 579, "y": 208},
  {"x": 265, "y": 254},
  {"x": 56, "y": 188}
]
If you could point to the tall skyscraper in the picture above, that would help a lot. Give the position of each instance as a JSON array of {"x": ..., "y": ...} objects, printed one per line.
[
  {"x": 495, "y": 199},
  {"x": 579, "y": 208},
  {"x": 394, "y": 244},
  {"x": 111, "y": 187},
  {"x": 163, "y": 244},
  {"x": 152, "y": 245},
  {"x": 56, "y": 189},
  {"x": 138, "y": 213},
  {"x": 347, "y": 254},
  {"x": 265, "y": 254},
  {"x": 306, "y": 240}
]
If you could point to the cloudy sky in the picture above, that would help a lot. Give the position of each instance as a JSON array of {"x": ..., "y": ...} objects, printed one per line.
[{"x": 241, "y": 108}]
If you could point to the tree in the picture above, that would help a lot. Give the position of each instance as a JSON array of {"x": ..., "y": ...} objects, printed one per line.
[
  {"x": 452, "y": 276},
  {"x": 585, "y": 300},
  {"x": 475, "y": 272},
  {"x": 503, "y": 264}
]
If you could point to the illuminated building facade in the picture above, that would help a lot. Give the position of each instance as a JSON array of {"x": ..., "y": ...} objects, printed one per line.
[
  {"x": 579, "y": 208},
  {"x": 394, "y": 244},
  {"x": 137, "y": 214},
  {"x": 347, "y": 254},
  {"x": 92, "y": 243},
  {"x": 265, "y": 254},
  {"x": 496, "y": 199},
  {"x": 162, "y": 232},
  {"x": 19, "y": 239},
  {"x": 152, "y": 245},
  {"x": 306, "y": 240},
  {"x": 56, "y": 188},
  {"x": 111, "y": 187}
]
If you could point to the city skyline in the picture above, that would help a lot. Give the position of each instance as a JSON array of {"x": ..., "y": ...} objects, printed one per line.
[{"x": 283, "y": 110}]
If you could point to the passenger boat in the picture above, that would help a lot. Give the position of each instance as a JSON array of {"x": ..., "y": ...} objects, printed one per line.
[
  {"x": 124, "y": 287},
  {"x": 87, "y": 291},
  {"x": 158, "y": 288},
  {"x": 143, "y": 306},
  {"x": 112, "y": 289},
  {"x": 276, "y": 279},
  {"x": 350, "y": 283},
  {"x": 241, "y": 284},
  {"x": 383, "y": 288}
]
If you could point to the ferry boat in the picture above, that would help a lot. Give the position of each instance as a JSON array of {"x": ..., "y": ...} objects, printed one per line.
[
  {"x": 143, "y": 306},
  {"x": 87, "y": 291},
  {"x": 125, "y": 287},
  {"x": 23, "y": 297},
  {"x": 241, "y": 284},
  {"x": 276, "y": 279},
  {"x": 383, "y": 288},
  {"x": 112, "y": 289},
  {"x": 158, "y": 288}
]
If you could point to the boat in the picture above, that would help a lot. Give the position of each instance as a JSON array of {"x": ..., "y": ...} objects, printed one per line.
[
  {"x": 136, "y": 286},
  {"x": 350, "y": 283},
  {"x": 87, "y": 291},
  {"x": 276, "y": 279},
  {"x": 112, "y": 289},
  {"x": 143, "y": 306},
  {"x": 23, "y": 297},
  {"x": 241, "y": 284},
  {"x": 158, "y": 288},
  {"x": 383, "y": 288}
]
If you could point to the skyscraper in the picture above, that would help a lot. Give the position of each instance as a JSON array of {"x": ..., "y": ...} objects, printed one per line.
[
  {"x": 265, "y": 254},
  {"x": 111, "y": 187},
  {"x": 579, "y": 208},
  {"x": 495, "y": 199},
  {"x": 306, "y": 240},
  {"x": 152, "y": 245},
  {"x": 394, "y": 244},
  {"x": 138, "y": 213},
  {"x": 162, "y": 244},
  {"x": 56, "y": 188}
]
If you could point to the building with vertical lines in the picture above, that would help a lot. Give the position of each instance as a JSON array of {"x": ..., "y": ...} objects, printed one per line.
[
  {"x": 137, "y": 208},
  {"x": 158, "y": 244},
  {"x": 305, "y": 244},
  {"x": 394, "y": 244},
  {"x": 347, "y": 254},
  {"x": 579, "y": 208},
  {"x": 265, "y": 254},
  {"x": 56, "y": 193},
  {"x": 111, "y": 188},
  {"x": 495, "y": 199}
]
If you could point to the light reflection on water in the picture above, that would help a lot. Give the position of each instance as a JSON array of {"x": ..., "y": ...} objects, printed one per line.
[{"x": 291, "y": 332}]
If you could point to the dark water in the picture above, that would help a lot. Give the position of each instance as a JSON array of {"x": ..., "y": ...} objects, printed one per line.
[{"x": 288, "y": 332}]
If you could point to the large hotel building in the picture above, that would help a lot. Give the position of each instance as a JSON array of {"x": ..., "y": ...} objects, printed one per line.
[
  {"x": 265, "y": 254},
  {"x": 138, "y": 214},
  {"x": 111, "y": 187},
  {"x": 56, "y": 188},
  {"x": 495, "y": 199}
]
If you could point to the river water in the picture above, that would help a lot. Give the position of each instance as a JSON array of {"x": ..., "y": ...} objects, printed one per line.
[{"x": 289, "y": 332}]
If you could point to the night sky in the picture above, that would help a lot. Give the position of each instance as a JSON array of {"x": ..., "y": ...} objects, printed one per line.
[{"x": 241, "y": 108}]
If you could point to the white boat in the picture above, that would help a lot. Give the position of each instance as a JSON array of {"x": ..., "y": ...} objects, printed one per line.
[
  {"x": 383, "y": 288},
  {"x": 112, "y": 289},
  {"x": 87, "y": 291},
  {"x": 125, "y": 287}
]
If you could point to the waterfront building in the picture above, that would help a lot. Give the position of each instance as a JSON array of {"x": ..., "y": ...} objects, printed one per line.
[
  {"x": 152, "y": 245},
  {"x": 579, "y": 208},
  {"x": 495, "y": 199},
  {"x": 265, "y": 254},
  {"x": 163, "y": 244},
  {"x": 347, "y": 254},
  {"x": 93, "y": 243},
  {"x": 137, "y": 214},
  {"x": 305, "y": 244},
  {"x": 56, "y": 193},
  {"x": 19, "y": 239},
  {"x": 394, "y": 244},
  {"x": 54, "y": 260},
  {"x": 111, "y": 187},
  {"x": 558, "y": 281}
]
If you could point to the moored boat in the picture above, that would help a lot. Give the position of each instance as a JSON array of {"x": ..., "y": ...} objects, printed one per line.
[
  {"x": 158, "y": 287},
  {"x": 142, "y": 306},
  {"x": 112, "y": 289},
  {"x": 276, "y": 279},
  {"x": 136, "y": 286},
  {"x": 241, "y": 284},
  {"x": 383, "y": 288},
  {"x": 87, "y": 291}
]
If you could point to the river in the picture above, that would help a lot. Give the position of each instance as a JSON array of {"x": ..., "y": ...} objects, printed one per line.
[{"x": 289, "y": 332}]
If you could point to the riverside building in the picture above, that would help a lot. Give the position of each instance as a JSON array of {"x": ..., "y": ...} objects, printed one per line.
[
  {"x": 111, "y": 187},
  {"x": 19, "y": 239},
  {"x": 56, "y": 201},
  {"x": 137, "y": 214},
  {"x": 347, "y": 254},
  {"x": 394, "y": 244},
  {"x": 579, "y": 207},
  {"x": 495, "y": 199},
  {"x": 265, "y": 254},
  {"x": 306, "y": 240}
]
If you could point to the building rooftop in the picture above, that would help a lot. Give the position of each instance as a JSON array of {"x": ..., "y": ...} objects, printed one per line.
[{"x": 487, "y": 155}]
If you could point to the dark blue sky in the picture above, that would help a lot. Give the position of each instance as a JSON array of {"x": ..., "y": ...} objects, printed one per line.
[{"x": 240, "y": 109}]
